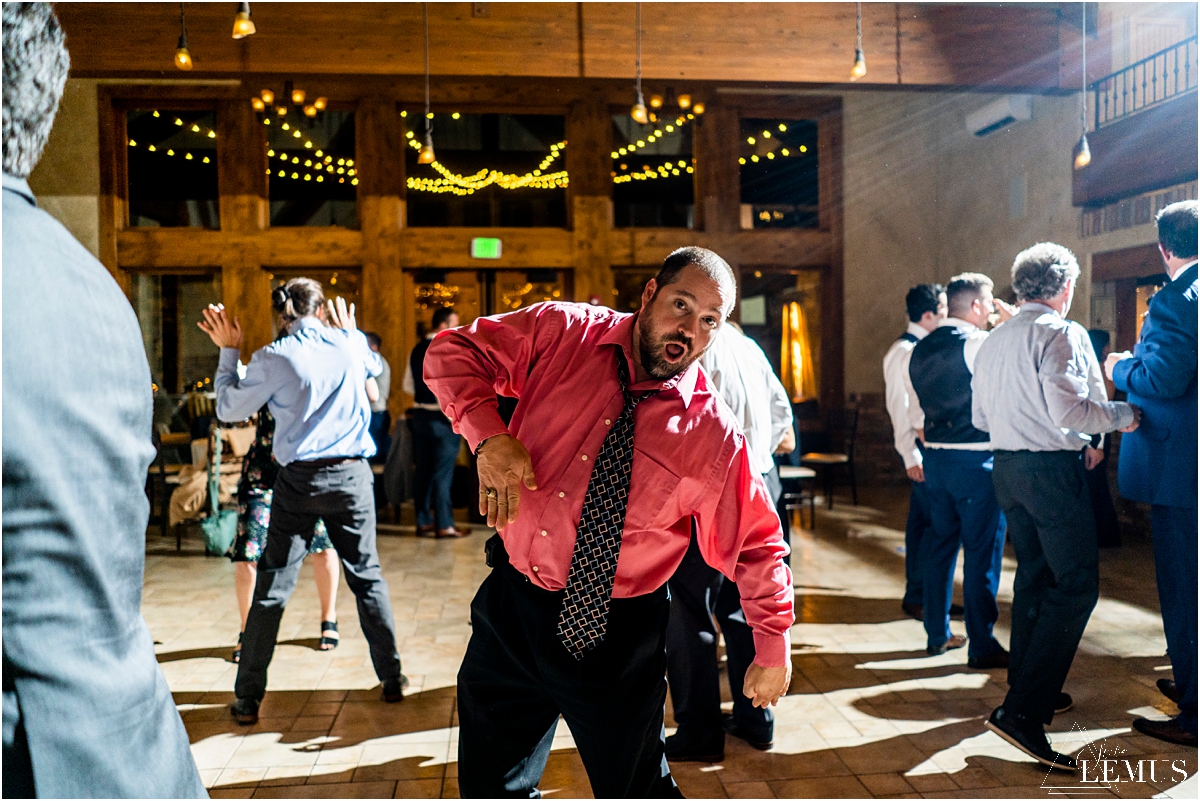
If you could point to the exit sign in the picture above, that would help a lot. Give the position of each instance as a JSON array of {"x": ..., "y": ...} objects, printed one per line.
[{"x": 483, "y": 247}]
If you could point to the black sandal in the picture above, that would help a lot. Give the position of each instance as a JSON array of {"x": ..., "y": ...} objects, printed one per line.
[
  {"x": 237, "y": 652},
  {"x": 328, "y": 643}
]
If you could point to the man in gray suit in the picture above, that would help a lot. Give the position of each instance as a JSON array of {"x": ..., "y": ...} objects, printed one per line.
[{"x": 87, "y": 711}]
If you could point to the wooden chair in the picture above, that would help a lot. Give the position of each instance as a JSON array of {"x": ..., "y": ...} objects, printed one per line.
[
  {"x": 843, "y": 427},
  {"x": 164, "y": 477},
  {"x": 797, "y": 488}
]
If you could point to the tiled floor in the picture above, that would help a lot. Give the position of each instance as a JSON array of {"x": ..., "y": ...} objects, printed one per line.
[{"x": 868, "y": 714}]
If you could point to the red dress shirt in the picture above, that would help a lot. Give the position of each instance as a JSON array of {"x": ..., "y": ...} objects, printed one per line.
[{"x": 690, "y": 462}]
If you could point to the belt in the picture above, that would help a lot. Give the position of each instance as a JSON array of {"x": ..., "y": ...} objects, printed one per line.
[{"x": 331, "y": 462}]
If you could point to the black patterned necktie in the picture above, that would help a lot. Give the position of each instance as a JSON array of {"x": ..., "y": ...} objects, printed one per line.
[{"x": 584, "y": 617}]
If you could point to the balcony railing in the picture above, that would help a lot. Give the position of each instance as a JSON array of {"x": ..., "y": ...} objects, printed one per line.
[{"x": 1146, "y": 83}]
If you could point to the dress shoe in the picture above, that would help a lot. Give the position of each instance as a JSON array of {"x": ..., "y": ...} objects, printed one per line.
[
  {"x": 426, "y": 531},
  {"x": 1168, "y": 730},
  {"x": 1064, "y": 703},
  {"x": 393, "y": 689},
  {"x": 1167, "y": 688},
  {"x": 244, "y": 711},
  {"x": 955, "y": 641},
  {"x": 742, "y": 733},
  {"x": 680, "y": 750},
  {"x": 995, "y": 660},
  {"x": 1028, "y": 736},
  {"x": 452, "y": 532},
  {"x": 915, "y": 611}
]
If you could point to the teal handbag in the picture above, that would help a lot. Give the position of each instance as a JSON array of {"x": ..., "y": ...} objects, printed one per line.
[{"x": 220, "y": 527}]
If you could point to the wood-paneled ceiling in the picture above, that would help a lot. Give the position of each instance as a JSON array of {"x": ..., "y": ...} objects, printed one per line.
[{"x": 1028, "y": 46}]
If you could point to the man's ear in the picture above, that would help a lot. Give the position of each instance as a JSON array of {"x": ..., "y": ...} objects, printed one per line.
[{"x": 649, "y": 292}]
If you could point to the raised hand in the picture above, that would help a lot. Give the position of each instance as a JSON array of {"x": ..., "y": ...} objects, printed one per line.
[
  {"x": 504, "y": 466},
  {"x": 338, "y": 316},
  {"x": 221, "y": 331}
]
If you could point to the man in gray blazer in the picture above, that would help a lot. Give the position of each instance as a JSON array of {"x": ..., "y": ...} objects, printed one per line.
[{"x": 87, "y": 711}]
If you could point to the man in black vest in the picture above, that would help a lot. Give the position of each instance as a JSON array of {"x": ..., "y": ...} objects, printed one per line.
[
  {"x": 958, "y": 475},
  {"x": 435, "y": 445}
]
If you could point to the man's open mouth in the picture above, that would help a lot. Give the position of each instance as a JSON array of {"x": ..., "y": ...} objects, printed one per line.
[{"x": 674, "y": 351}]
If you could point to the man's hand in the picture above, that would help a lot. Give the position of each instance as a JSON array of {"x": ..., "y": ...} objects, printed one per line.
[
  {"x": 788, "y": 444},
  {"x": 1092, "y": 457},
  {"x": 1137, "y": 419},
  {"x": 764, "y": 686},
  {"x": 223, "y": 333},
  {"x": 921, "y": 435},
  {"x": 504, "y": 465},
  {"x": 338, "y": 316},
  {"x": 1006, "y": 310},
  {"x": 916, "y": 473},
  {"x": 1112, "y": 360}
]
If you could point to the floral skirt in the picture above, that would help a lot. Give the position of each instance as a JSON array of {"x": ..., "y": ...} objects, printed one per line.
[{"x": 254, "y": 518}]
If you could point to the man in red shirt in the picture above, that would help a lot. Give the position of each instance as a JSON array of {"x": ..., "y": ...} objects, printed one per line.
[{"x": 617, "y": 451}]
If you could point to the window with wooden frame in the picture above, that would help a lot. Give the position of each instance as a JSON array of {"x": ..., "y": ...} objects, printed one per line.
[
  {"x": 172, "y": 168},
  {"x": 778, "y": 168},
  {"x": 312, "y": 174}
]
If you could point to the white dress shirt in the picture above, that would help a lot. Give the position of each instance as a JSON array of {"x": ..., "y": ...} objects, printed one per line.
[
  {"x": 899, "y": 396},
  {"x": 384, "y": 382},
  {"x": 745, "y": 380},
  {"x": 409, "y": 386}
]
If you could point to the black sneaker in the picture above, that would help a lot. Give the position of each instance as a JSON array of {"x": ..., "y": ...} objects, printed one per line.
[
  {"x": 1064, "y": 703},
  {"x": 994, "y": 661},
  {"x": 680, "y": 750},
  {"x": 244, "y": 711},
  {"x": 1029, "y": 737},
  {"x": 393, "y": 689},
  {"x": 742, "y": 733}
]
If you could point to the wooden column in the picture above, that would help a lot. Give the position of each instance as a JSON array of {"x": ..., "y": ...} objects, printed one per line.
[
  {"x": 114, "y": 189},
  {"x": 588, "y": 160},
  {"x": 379, "y": 146},
  {"x": 244, "y": 209},
  {"x": 833, "y": 292},
  {"x": 718, "y": 185}
]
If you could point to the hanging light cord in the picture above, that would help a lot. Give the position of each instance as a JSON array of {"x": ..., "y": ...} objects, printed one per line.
[
  {"x": 428, "y": 122},
  {"x": 858, "y": 30},
  {"x": 638, "y": 13},
  {"x": 1083, "y": 78},
  {"x": 182, "y": 23}
]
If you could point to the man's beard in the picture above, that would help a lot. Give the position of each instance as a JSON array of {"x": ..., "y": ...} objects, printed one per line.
[{"x": 650, "y": 355}]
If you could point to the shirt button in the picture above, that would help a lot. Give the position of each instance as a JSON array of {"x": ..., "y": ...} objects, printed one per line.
[
  {"x": 584, "y": 457},
  {"x": 535, "y": 568},
  {"x": 562, "y": 494},
  {"x": 608, "y": 422},
  {"x": 543, "y": 532}
]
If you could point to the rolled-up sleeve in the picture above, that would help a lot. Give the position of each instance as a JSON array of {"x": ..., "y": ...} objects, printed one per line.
[
  {"x": 739, "y": 534},
  {"x": 467, "y": 367}
]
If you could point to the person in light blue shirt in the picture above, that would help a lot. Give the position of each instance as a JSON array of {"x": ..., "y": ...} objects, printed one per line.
[{"x": 314, "y": 381}]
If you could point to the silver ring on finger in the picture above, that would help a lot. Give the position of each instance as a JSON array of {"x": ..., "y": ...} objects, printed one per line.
[{"x": 491, "y": 493}]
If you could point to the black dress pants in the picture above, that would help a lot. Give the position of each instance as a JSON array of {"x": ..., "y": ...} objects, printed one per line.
[
  {"x": 342, "y": 495},
  {"x": 699, "y": 594},
  {"x": 517, "y": 678},
  {"x": 1045, "y": 497}
]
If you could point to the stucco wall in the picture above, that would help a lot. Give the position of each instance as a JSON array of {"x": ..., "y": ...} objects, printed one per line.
[{"x": 67, "y": 179}]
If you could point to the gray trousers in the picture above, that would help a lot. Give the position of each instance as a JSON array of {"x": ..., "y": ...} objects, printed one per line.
[
  {"x": 1045, "y": 497},
  {"x": 343, "y": 496}
]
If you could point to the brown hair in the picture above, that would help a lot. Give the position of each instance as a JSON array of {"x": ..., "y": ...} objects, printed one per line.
[{"x": 299, "y": 297}]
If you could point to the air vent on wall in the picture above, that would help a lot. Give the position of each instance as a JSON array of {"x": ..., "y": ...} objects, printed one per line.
[{"x": 1000, "y": 114}]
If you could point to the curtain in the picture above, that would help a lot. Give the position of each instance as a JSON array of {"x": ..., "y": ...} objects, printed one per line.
[{"x": 799, "y": 377}]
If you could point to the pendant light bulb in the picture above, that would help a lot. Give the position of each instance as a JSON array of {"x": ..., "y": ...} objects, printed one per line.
[
  {"x": 320, "y": 103},
  {"x": 656, "y": 101},
  {"x": 298, "y": 96},
  {"x": 243, "y": 26},
  {"x": 860, "y": 66},
  {"x": 639, "y": 113},
  {"x": 268, "y": 97},
  {"x": 426, "y": 156},
  {"x": 257, "y": 104},
  {"x": 685, "y": 101},
  {"x": 183, "y": 58},
  {"x": 1083, "y": 153}
]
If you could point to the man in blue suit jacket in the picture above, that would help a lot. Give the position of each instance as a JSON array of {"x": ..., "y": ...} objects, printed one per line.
[
  {"x": 87, "y": 711},
  {"x": 1158, "y": 461}
]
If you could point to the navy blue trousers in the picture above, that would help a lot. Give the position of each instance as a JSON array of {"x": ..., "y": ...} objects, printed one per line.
[
  {"x": 962, "y": 505},
  {"x": 919, "y": 522},
  {"x": 435, "y": 446},
  {"x": 1174, "y": 529}
]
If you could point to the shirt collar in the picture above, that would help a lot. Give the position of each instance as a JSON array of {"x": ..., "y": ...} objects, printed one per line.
[
  {"x": 916, "y": 330},
  {"x": 305, "y": 322},
  {"x": 19, "y": 186},
  {"x": 1178, "y": 275},
  {"x": 957, "y": 323},
  {"x": 621, "y": 335},
  {"x": 1040, "y": 308}
]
